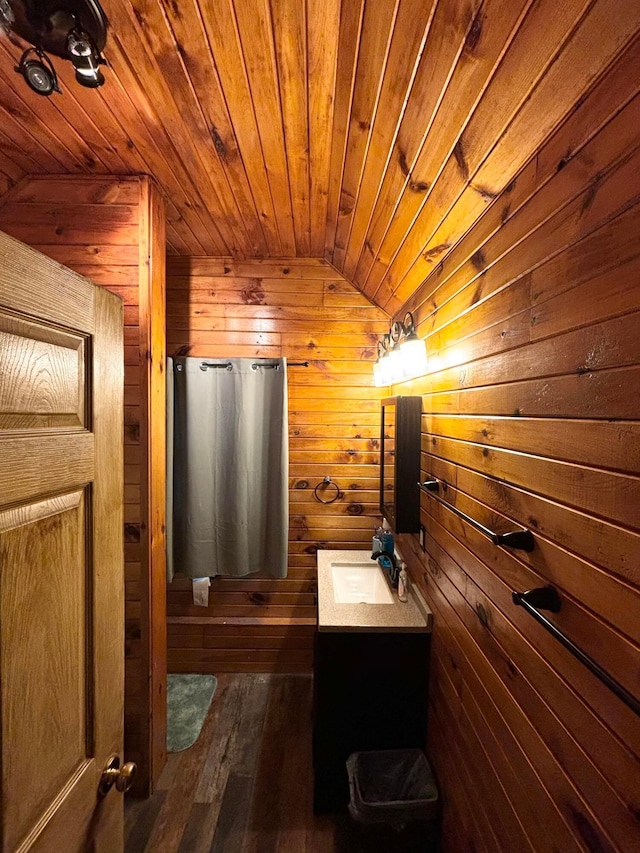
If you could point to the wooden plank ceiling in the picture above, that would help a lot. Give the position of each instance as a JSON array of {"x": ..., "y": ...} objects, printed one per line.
[{"x": 372, "y": 133}]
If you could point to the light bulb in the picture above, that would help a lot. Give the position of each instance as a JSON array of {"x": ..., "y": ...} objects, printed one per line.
[
  {"x": 378, "y": 374},
  {"x": 414, "y": 356},
  {"x": 396, "y": 365}
]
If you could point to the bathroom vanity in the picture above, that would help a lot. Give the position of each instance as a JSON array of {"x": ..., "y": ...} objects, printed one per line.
[{"x": 371, "y": 670}]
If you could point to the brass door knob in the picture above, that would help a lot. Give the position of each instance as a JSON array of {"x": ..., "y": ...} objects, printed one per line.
[{"x": 113, "y": 774}]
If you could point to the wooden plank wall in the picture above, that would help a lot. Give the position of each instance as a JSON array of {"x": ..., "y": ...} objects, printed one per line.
[
  {"x": 111, "y": 230},
  {"x": 531, "y": 415},
  {"x": 303, "y": 310}
]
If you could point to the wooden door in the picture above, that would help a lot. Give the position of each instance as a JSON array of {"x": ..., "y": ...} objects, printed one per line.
[{"x": 61, "y": 555}]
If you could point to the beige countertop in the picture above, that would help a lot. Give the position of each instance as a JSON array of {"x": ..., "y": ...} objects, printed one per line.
[{"x": 411, "y": 616}]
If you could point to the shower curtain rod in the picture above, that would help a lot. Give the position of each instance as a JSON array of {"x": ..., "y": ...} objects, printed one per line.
[{"x": 227, "y": 365}]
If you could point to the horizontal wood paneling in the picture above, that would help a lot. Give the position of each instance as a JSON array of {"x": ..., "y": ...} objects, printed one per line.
[
  {"x": 296, "y": 307},
  {"x": 531, "y": 419},
  {"x": 103, "y": 228}
]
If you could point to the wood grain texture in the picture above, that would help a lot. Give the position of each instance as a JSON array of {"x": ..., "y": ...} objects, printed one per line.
[
  {"x": 374, "y": 134},
  {"x": 62, "y": 572},
  {"x": 152, "y": 443},
  {"x": 289, "y": 310},
  {"x": 44, "y": 377},
  {"x": 124, "y": 254},
  {"x": 520, "y": 440},
  {"x": 246, "y": 785}
]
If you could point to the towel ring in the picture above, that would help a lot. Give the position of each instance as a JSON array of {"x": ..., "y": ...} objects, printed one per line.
[{"x": 327, "y": 482}]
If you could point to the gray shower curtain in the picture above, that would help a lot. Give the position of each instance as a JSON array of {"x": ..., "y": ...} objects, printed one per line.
[{"x": 228, "y": 429}]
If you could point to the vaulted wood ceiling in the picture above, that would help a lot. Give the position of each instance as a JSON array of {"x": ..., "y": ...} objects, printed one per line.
[{"x": 372, "y": 133}]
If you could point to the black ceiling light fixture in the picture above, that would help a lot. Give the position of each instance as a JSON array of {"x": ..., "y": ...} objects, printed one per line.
[
  {"x": 70, "y": 29},
  {"x": 86, "y": 59},
  {"x": 38, "y": 71}
]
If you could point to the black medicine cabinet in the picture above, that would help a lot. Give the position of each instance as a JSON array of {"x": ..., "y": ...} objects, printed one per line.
[{"x": 400, "y": 463}]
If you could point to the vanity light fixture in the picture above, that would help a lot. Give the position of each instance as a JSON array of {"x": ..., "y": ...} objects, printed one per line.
[{"x": 401, "y": 354}]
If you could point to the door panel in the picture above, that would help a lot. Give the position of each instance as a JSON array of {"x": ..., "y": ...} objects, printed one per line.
[
  {"x": 43, "y": 376},
  {"x": 45, "y": 658},
  {"x": 61, "y": 556}
]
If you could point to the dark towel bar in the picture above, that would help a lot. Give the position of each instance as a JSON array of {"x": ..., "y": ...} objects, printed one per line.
[
  {"x": 547, "y": 598},
  {"x": 520, "y": 540}
]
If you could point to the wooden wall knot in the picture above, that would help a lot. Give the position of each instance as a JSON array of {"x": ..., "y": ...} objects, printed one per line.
[
  {"x": 479, "y": 260},
  {"x": 355, "y": 509},
  {"x": 459, "y": 154},
  {"x": 486, "y": 193},
  {"x": 254, "y": 293},
  {"x": 418, "y": 186},
  {"x": 482, "y": 614},
  {"x": 431, "y": 254},
  {"x": 474, "y": 34},
  {"x": 218, "y": 142}
]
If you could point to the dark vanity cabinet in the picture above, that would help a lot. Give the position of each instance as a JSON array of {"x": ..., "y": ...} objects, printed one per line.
[
  {"x": 370, "y": 693},
  {"x": 400, "y": 463}
]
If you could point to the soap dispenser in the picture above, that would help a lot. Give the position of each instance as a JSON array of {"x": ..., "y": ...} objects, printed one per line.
[{"x": 403, "y": 583}]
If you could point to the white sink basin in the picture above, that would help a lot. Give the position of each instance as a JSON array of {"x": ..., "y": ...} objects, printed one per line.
[{"x": 359, "y": 583}]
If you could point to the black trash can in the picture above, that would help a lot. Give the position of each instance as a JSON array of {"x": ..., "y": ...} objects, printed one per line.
[
  {"x": 393, "y": 792},
  {"x": 392, "y": 786}
]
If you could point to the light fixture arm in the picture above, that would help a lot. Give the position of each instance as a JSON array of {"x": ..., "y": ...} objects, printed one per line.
[
  {"x": 408, "y": 324},
  {"x": 401, "y": 353}
]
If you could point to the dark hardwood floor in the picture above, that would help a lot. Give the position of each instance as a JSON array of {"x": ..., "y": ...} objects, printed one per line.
[{"x": 246, "y": 785}]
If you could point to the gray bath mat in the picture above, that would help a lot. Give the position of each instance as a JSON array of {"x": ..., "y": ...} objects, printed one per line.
[{"x": 188, "y": 699}]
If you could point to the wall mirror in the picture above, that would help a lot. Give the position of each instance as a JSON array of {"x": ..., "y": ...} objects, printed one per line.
[{"x": 400, "y": 463}]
